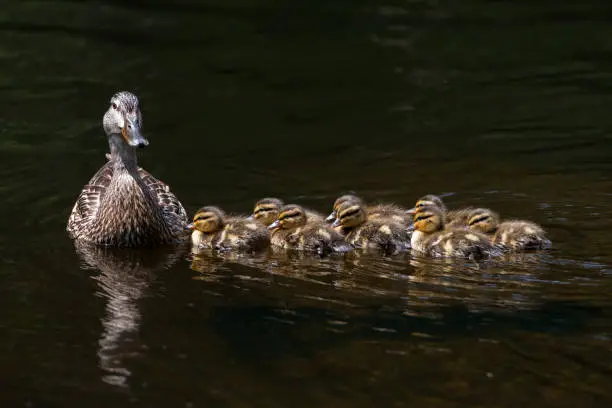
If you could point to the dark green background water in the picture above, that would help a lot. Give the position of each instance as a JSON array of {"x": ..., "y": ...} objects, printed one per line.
[{"x": 496, "y": 103}]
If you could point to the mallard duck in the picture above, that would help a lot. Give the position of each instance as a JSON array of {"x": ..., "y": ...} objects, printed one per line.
[
  {"x": 511, "y": 234},
  {"x": 293, "y": 230},
  {"x": 387, "y": 211},
  {"x": 213, "y": 229},
  {"x": 363, "y": 232},
  {"x": 267, "y": 209},
  {"x": 453, "y": 218},
  {"x": 122, "y": 204},
  {"x": 430, "y": 238}
]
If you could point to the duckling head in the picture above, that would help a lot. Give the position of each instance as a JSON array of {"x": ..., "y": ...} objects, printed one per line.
[
  {"x": 350, "y": 214},
  {"x": 428, "y": 219},
  {"x": 124, "y": 118},
  {"x": 483, "y": 220},
  {"x": 428, "y": 200},
  {"x": 208, "y": 220},
  {"x": 290, "y": 216},
  {"x": 267, "y": 210},
  {"x": 339, "y": 201}
]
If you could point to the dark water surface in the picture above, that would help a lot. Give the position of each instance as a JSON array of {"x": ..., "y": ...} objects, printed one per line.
[{"x": 496, "y": 103}]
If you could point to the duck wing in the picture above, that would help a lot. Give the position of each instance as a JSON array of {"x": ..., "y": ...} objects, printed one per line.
[
  {"x": 165, "y": 198},
  {"x": 88, "y": 202}
]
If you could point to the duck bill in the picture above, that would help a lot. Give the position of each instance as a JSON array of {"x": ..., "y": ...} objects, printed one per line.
[
  {"x": 131, "y": 133},
  {"x": 274, "y": 225},
  {"x": 336, "y": 223},
  {"x": 250, "y": 218},
  {"x": 190, "y": 227},
  {"x": 411, "y": 211},
  {"x": 331, "y": 217}
]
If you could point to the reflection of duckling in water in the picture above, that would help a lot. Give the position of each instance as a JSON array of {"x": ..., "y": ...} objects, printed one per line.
[
  {"x": 453, "y": 219},
  {"x": 379, "y": 233},
  {"x": 293, "y": 230},
  {"x": 388, "y": 211},
  {"x": 267, "y": 209},
  {"x": 512, "y": 234},
  {"x": 430, "y": 238},
  {"x": 213, "y": 229}
]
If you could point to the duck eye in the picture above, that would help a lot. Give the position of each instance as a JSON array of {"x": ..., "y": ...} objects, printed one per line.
[{"x": 114, "y": 105}]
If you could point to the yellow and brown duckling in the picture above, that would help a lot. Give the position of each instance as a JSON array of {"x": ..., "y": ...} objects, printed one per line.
[
  {"x": 293, "y": 230},
  {"x": 515, "y": 235},
  {"x": 430, "y": 238},
  {"x": 362, "y": 231},
  {"x": 388, "y": 211},
  {"x": 267, "y": 210},
  {"x": 212, "y": 228},
  {"x": 453, "y": 218}
]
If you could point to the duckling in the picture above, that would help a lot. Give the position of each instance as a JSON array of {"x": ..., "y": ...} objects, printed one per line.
[
  {"x": 515, "y": 235},
  {"x": 483, "y": 220},
  {"x": 213, "y": 229},
  {"x": 377, "y": 233},
  {"x": 267, "y": 209},
  {"x": 430, "y": 238},
  {"x": 454, "y": 218},
  {"x": 387, "y": 211},
  {"x": 293, "y": 230}
]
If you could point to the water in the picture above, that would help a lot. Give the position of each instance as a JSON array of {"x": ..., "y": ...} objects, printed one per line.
[{"x": 501, "y": 104}]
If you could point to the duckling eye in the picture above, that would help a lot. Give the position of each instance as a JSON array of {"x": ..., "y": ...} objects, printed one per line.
[
  {"x": 114, "y": 105},
  {"x": 349, "y": 213},
  {"x": 423, "y": 217},
  {"x": 477, "y": 220}
]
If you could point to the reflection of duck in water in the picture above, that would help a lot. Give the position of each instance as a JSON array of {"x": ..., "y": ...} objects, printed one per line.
[
  {"x": 123, "y": 279},
  {"x": 213, "y": 264}
]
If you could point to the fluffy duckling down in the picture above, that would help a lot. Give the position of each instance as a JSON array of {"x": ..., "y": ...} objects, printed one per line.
[
  {"x": 267, "y": 210},
  {"x": 430, "y": 238},
  {"x": 383, "y": 210},
  {"x": 364, "y": 232},
  {"x": 516, "y": 235},
  {"x": 453, "y": 218},
  {"x": 212, "y": 228},
  {"x": 293, "y": 230}
]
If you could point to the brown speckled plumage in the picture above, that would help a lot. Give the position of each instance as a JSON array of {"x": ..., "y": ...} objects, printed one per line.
[{"x": 123, "y": 205}]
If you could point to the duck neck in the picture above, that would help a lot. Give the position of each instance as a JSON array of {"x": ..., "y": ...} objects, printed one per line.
[{"x": 122, "y": 155}]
